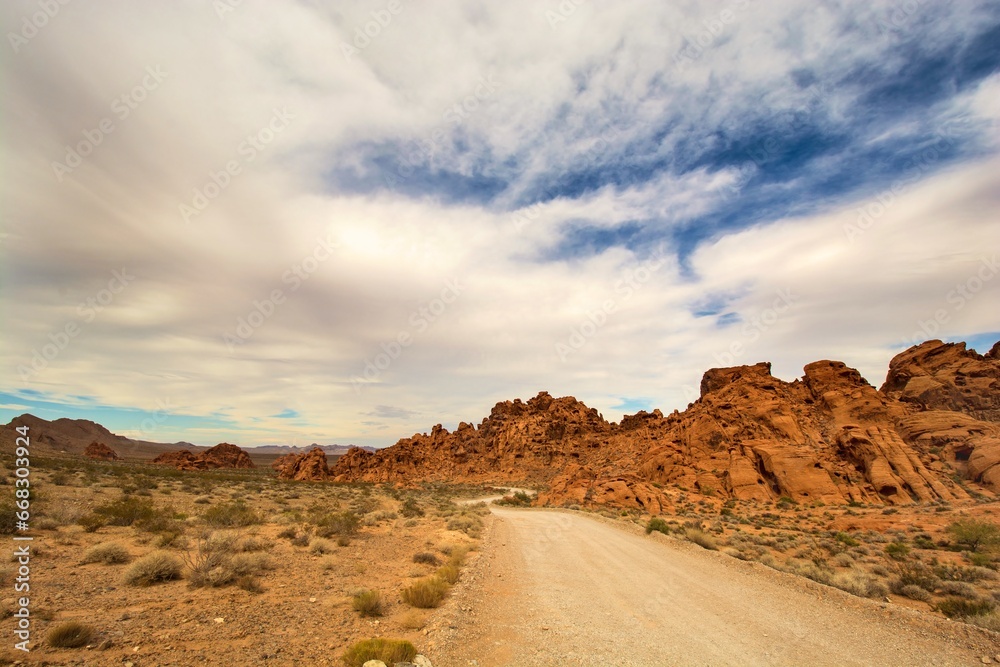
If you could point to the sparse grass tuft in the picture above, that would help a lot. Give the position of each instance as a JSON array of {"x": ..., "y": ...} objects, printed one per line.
[
  {"x": 425, "y": 593},
  {"x": 659, "y": 525},
  {"x": 109, "y": 553},
  {"x": 368, "y": 603},
  {"x": 231, "y": 515},
  {"x": 701, "y": 538},
  {"x": 425, "y": 558},
  {"x": 320, "y": 546},
  {"x": 956, "y": 607},
  {"x": 153, "y": 568},
  {"x": 70, "y": 634}
]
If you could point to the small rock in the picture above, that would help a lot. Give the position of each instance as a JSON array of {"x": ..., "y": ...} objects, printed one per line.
[
  {"x": 220, "y": 620},
  {"x": 421, "y": 661},
  {"x": 105, "y": 645},
  {"x": 986, "y": 660},
  {"x": 313, "y": 600},
  {"x": 374, "y": 663}
]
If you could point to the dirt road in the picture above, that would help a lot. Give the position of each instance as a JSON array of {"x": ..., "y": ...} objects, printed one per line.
[{"x": 557, "y": 588}]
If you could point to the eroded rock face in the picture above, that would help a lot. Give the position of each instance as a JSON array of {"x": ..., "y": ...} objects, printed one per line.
[
  {"x": 100, "y": 452},
  {"x": 310, "y": 466},
  {"x": 828, "y": 437},
  {"x": 947, "y": 376},
  {"x": 223, "y": 455}
]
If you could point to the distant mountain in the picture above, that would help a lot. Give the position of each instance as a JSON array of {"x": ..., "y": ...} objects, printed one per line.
[
  {"x": 281, "y": 450},
  {"x": 73, "y": 436}
]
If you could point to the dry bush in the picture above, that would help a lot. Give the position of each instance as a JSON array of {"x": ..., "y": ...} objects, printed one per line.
[
  {"x": 425, "y": 558},
  {"x": 859, "y": 583},
  {"x": 70, "y": 634},
  {"x": 154, "y": 568},
  {"x": 320, "y": 546},
  {"x": 368, "y": 603},
  {"x": 701, "y": 538},
  {"x": 109, "y": 553},
  {"x": 251, "y": 563},
  {"x": 413, "y": 620},
  {"x": 914, "y": 593},
  {"x": 426, "y": 593},
  {"x": 449, "y": 573}
]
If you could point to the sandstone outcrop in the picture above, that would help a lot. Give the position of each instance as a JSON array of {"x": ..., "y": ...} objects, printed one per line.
[
  {"x": 101, "y": 452},
  {"x": 310, "y": 466},
  {"x": 223, "y": 455},
  {"x": 828, "y": 437}
]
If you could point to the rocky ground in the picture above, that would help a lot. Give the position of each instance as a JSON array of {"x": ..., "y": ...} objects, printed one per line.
[{"x": 282, "y": 594}]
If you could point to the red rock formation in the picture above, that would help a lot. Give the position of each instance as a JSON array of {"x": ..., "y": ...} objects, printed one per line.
[
  {"x": 100, "y": 452},
  {"x": 830, "y": 437},
  {"x": 310, "y": 466},
  {"x": 946, "y": 376},
  {"x": 223, "y": 455}
]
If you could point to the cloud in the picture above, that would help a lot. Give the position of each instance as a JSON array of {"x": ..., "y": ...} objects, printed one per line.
[{"x": 479, "y": 204}]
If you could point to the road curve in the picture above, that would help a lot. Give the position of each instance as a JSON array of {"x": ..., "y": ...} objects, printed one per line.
[{"x": 560, "y": 588}]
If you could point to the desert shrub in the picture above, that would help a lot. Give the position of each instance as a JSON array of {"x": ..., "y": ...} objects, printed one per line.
[
  {"x": 288, "y": 533},
  {"x": 914, "y": 593},
  {"x": 809, "y": 570},
  {"x": 456, "y": 555},
  {"x": 701, "y": 538},
  {"x": 516, "y": 499},
  {"x": 923, "y": 541},
  {"x": 255, "y": 544},
  {"x": 368, "y": 603},
  {"x": 975, "y": 535},
  {"x": 657, "y": 524},
  {"x": 914, "y": 574},
  {"x": 153, "y": 568},
  {"x": 956, "y": 607},
  {"x": 320, "y": 546},
  {"x": 233, "y": 514},
  {"x": 846, "y": 539},
  {"x": 413, "y": 620},
  {"x": 251, "y": 563},
  {"x": 960, "y": 573},
  {"x": 980, "y": 559},
  {"x": 859, "y": 583},
  {"x": 958, "y": 588},
  {"x": 897, "y": 550},
  {"x": 301, "y": 541},
  {"x": 337, "y": 523},
  {"x": 343, "y": 541},
  {"x": 91, "y": 522},
  {"x": 250, "y": 584},
  {"x": 126, "y": 511},
  {"x": 990, "y": 621},
  {"x": 109, "y": 553},
  {"x": 843, "y": 560},
  {"x": 425, "y": 593},
  {"x": 389, "y": 651},
  {"x": 449, "y": 573},
  {"x": 70, "y": 634},
  {"x": 425, "y": 558},
  {"x": 410, "y": 509},
  {"x": 469, "y": 524}
]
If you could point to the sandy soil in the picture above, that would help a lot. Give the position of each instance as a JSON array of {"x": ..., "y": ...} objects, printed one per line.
[{"x": 557, "y": 588}]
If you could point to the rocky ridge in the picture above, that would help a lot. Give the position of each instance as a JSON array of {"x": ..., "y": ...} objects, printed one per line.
[
  {"x": 827, "y": 437},
  {"x": 223, "y": 455}
]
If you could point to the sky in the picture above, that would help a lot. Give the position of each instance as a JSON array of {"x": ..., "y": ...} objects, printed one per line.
[{"x": 277, "y": 222}]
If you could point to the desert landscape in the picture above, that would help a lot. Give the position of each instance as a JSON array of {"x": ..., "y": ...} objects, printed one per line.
[
  {"x": 534, "y": 333},
  {"x": 883, "y": 500}
]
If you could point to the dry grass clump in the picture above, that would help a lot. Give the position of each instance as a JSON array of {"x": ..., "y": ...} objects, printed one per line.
[
  {"x": 425, "y": 558},
  {"x": 701, "y": 538},
  {"x": 426, "y": 593},
  {"x": 368, "y": 603},
  {"x": 109, "y": 553},
  {"x": 154, "y": 568},
  {"x": 71, "y": 634},
  {"x": 320, "y": 546}
]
